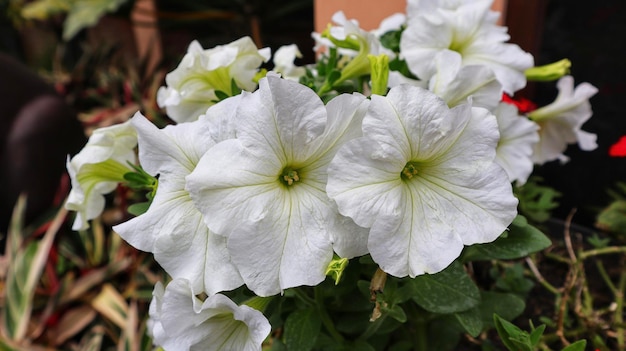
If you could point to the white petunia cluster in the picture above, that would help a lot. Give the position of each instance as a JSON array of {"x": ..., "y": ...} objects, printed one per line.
[{"x": 264, "y": 187}]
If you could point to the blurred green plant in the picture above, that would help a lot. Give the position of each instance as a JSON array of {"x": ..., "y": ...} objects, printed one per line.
[{"x": 80, "y": 14}]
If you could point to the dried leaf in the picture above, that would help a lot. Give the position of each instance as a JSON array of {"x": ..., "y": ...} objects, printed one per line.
[
  {"x": 111, "y": 305},
  {"x": 94, "y": 278},
  {"x": 72, "y": 322}
]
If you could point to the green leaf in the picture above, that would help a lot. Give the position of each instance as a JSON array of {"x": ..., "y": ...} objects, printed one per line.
[
  {"x": 511, "y": 279},
  {"x": 301, "y": 329},
  {"x": 234, "y": 88},
  {"x": 536, "y": 201},
  {"x": 511, "y": 336},
  {"x": 521, "y": 240},
  {"x": 87, "y": 13},
  {"x": 333, "y": 76},
  {"x": 221, "y": 95},
  {"x": 44, "y": 9},
  {"x": 396, "y": 312},
  {"x": 443, "y": 334},
  {"x": 448, "y": 291},
  {"x": 391, "y": 40},
  {"x": 577, "y": 346},
  {"x": 613, "y": 218},
  {"x": 535, "y": 335},
  {"x": 507, "y": 306},
  {"x": 139, "y": 208},
  {"x": 470, "y": 320}
]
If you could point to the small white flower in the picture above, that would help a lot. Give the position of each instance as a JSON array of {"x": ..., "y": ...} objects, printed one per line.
[
  {"x": 283, "y": 62},
  {"x": 560, "y": 122},
  {"x": 265, "y": 190},
  {"x": 97, "y": 170},
  {"x": 423, "y": 179},
  {"x": 179, "y": 321},
  {"x": 191, "y": 87},
  {"x": 518, "y": 136},
  {"x": 172, "y": 228},
  {"x": 467, "y": 28}
]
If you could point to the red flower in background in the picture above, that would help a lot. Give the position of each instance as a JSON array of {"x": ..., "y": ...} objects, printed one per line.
[
  {"x": 618, "y": 149},
  {"x": 523, "y": 105}
]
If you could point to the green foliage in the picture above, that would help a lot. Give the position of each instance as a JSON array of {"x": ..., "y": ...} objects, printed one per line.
[
  {"x": 613, "y": 218},
  {"x": 516, "y": 339},
  {"x": 511, "y": 279},
  {"x": 301, "y": 329},
  {"x": 535, "y": 200},
  {"x": 519, "y": 241},
  {"x": 142, "y": 181},
  {"x": 448, "y": 291},
  {"x": 80, "y": 13}
]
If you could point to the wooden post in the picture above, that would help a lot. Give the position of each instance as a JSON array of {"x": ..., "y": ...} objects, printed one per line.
[
  {"x": 369, "y": 13},
  {"x": 147, "y": 36}
]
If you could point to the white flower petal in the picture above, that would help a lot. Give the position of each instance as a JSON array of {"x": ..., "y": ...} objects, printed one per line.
[
  {"x": 265, "y": 190},
  {"x": 172, "y": 228},
  {"x": 453, "y": 194},
  {"x": 97, "y": 169},
  {"x": 561, "y": 121},
  {"x": 518, "y": 135},
  {"x": 191, "y": 87},
  {"x": 280, "y": 256},
  {"x": 230, "y": 182},
  {"x": 454, "y": 84},
  {"x": 181, "y": 321},
  {"x": 467, "y": 28}
]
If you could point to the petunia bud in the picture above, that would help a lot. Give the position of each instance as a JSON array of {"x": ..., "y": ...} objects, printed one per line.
[{"x": 549, "y": 72}]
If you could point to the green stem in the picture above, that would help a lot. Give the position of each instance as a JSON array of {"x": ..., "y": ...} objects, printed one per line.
[
  {"x": 618, "y": 315},
  {"x": 602, "y": 251},
  {"x": 372, "y": 328},
  {"x": 420, "y": 323},
  {"x": 421, "y": 335},
  {"x": 304, "y": 297},
  {"x": 324, "y": 88},
  {"x": 539, "y": 277},
  {"x": 605, "y": 277},
  {"x": 326, "y": 320}
]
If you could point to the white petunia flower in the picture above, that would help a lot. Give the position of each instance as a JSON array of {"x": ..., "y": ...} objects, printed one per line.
[
  {"x": 265, "y": 190},
  {"x": 560, "y": 121},
  {"x": 423, "y": 179},
  {"x": 172, "y": 228},
  {"x": 467, "y": 28},
  {"x": 191, "y": 87},
  {"x": 283, "y": 62},
  {"x": 454, "y": 83},
  {"x": 179, "y": 321},
  {"x": 97, "y": 170},
  {"x": 518, "y": 136}
]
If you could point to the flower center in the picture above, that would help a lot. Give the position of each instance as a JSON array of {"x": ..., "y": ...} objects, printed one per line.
[
  {"x": 289, "y": 176},
  {"x": 458, "y": 44},
  {"x": 409, "y": 171}
]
